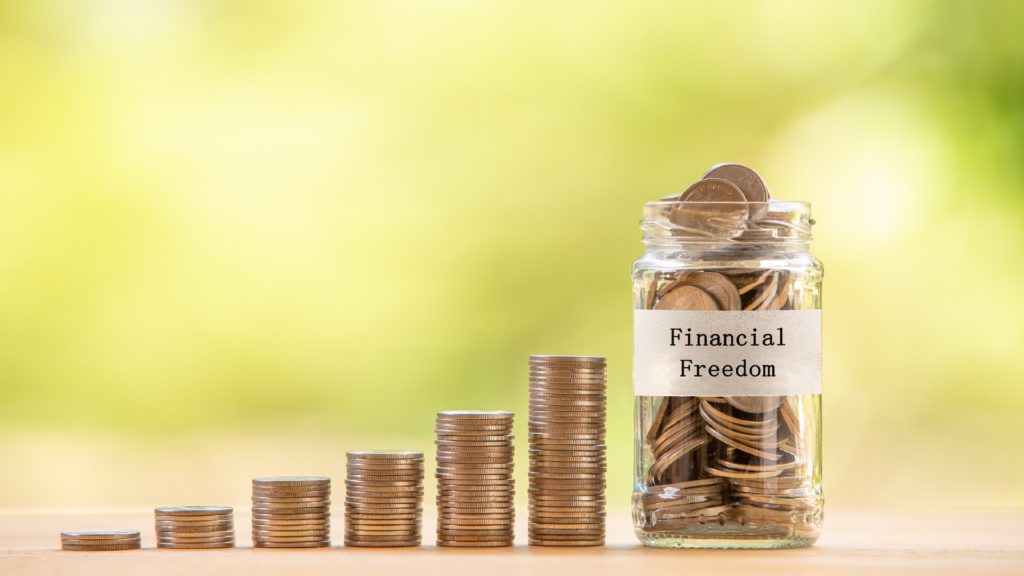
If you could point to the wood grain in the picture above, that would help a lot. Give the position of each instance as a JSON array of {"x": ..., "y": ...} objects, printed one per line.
[{"x": 852, "y": 543}]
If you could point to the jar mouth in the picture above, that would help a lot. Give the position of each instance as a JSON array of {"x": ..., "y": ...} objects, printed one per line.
[{"x": 775, "y": 221}]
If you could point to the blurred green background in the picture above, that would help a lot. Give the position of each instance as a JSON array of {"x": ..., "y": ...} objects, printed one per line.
[{"x": 239, "y": 238}]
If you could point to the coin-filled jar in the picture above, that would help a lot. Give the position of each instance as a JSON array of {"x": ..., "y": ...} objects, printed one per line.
[{"x": 727, "y": 369}]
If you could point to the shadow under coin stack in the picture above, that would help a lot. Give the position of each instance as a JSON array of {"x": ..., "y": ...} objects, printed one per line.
[
  {"x": 291, "y": 512},
  {"x": 567, "y": 450},
  {"x": 475, "y": 487},
  {"x": 195, "y": 527},
  {"x": 99, "y": 540},
  {"x": 383, "y": 498}
]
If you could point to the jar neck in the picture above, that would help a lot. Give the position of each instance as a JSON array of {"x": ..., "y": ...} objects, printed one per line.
[
  {"x": 727, "y": 229},
  {"x": 725, "y": 251}
]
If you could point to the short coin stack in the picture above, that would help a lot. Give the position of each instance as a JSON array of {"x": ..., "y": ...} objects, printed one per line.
[
  {"x": 383, "y": 498},
  {"x": 567, "y": 450},
  {"x": 475, "y": 487},
  {"x": 291, "y": 512},
  {"x": 97, "y": 540},
  {"x": 195, "y": 527}
]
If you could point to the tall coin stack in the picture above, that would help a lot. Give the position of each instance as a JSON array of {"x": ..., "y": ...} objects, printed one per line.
[
  {"x": 195, "y": 527},
  {"x": 567, "y": 450},
  {"x": 475, "y": 487},
  {"x": 291, "y": 512},
  {"x": 384, "y": 498}
]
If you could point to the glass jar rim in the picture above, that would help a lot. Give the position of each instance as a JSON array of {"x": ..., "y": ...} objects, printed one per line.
[{"x": 771, "y": 222}]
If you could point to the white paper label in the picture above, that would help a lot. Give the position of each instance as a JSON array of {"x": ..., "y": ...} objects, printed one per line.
[{"x": 689, "y": 353}]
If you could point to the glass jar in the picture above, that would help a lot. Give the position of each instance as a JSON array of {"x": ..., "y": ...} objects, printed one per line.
[{"x": 727, "y": 376}]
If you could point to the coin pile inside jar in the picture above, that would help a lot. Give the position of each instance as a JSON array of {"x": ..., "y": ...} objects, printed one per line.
[
  {"x": 195, "y": 527},
  {"x": 475, "y": 487},
  {"x": 99, "y": 540},
  {"x": 291, "y": 512},
  {"x": 726, "y": 458},
  {"x": 383, "y": 498},
  {"x": 567, "y": 450}
]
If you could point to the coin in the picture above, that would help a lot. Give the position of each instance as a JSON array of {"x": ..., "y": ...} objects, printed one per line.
[
  {"x": 198, "y": 545},
  {"x": 321, "y": 533},
  {"x": 747, "y": 180},
  {"x": 272, "y": 544},
  {"x": 258, "y": 498},
  {"x": 193, "y": 510},
  {"x": 712, "y": 207},
  {"x": 372, "y": 517},
  {"x": 220, "y": 526},
  {"x": 486, "y": 544},
  {"x": 291, "y": 517},
  {"x": 292, "y": 481},
  {"x": 230, "y": 537},
  {"x": 465, "y": 415},
  {"x": 499, "y": 464},
  {"x": 546, "y": 541},
  {"x": 687, "y": 298},
  {"x": 384, "y": 455},
  {"x": 756, "y": 404},
  {"x": 100, "y": 547},
  {"x": 384, "y": 544},
  {"x": 100, "y": 534}
]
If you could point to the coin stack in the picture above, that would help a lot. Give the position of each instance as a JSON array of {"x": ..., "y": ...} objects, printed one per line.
[
  {"x": 97, "y": 540},
  {"x": 195, "y": 527},
  {"x": 383, "y": 498},
  {"x": 475, "y": 488},
  {"x": 567, "y": 450},
  {"x": 291, "y": 512}
]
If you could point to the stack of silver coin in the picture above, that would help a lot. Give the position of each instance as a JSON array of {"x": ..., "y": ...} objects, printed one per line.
[
  {"x": 383, "y": 498},
  {"x": 475, "y": 487},
  {"x": 567, "y": 450},
  {"x": 195, "y": 527},
  {"x": 291, "y": 512},
  {"x": 97, "y": 540}
]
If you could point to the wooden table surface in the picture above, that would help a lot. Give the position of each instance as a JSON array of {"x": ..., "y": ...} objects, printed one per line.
[{"x": 852, "y": 543}]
